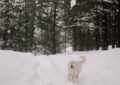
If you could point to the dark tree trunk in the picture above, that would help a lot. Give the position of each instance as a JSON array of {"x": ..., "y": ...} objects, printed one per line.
[
  {"x": 104, "y": 32},
  {"x": 97, "y": 32},
  {"x": 54, "y": 28},
  {"x": 74, "y": 33},
  {"x": 114, "y": 26}
]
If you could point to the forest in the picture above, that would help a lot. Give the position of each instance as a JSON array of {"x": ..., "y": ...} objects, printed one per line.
[{"x": 50, "y": 26}]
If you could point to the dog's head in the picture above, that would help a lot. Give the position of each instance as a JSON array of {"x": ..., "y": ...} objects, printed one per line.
[
  {"x": 72, "y": 64},
  {"x": 82, "y": 59}
]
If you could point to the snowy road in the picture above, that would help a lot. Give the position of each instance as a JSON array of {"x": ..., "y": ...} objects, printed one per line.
[{"x": 101, "y": 68}]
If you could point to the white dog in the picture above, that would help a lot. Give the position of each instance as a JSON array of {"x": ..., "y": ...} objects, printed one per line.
[{"x": 74, "y": 68}]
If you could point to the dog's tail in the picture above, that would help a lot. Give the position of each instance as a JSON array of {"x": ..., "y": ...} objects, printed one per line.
[{"x": 82, "y": 59}]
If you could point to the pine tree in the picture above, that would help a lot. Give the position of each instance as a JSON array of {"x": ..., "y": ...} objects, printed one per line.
[
  {"x": 8, "y": 24},
  {"x": 66, "y": 7},
  {"x": 49, "y": 25},
  {"x": 118, "y": 23},
  {"x": 29, "y": 24},
  {"x": 97, "y": 29},
  {"x": 114, "y": 25},
  {"x": 20, "y": 24},
  {"x": 79, "y": 19}
]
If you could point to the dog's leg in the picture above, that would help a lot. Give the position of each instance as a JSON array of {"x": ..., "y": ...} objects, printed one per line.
[
  {"x": 77, "y": 76},
  {"x": 73, "y": 76},
  {"x": 69, "y": 77}
]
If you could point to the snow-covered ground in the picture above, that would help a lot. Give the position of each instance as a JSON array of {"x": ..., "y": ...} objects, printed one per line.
[{"x": 101, "y": 68}]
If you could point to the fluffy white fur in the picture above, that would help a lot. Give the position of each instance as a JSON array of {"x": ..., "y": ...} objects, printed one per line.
[{"x": 74, "y": 68}]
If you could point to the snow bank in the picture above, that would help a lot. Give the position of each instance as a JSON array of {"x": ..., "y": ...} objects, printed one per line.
[{"x": 101, "y": 68}]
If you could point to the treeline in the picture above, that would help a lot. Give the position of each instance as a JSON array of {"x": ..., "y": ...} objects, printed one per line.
[
  {"x": 49, "y": 26},
  {"x": 95, "y": 24},
  {"x": 31, "y": 25}
]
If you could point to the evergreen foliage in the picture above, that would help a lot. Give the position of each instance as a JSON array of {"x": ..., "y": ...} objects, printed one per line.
[{"x": 50, "y": 26}]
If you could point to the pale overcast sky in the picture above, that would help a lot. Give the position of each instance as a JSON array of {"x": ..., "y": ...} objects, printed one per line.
[{"x": 73, "y": 2}]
